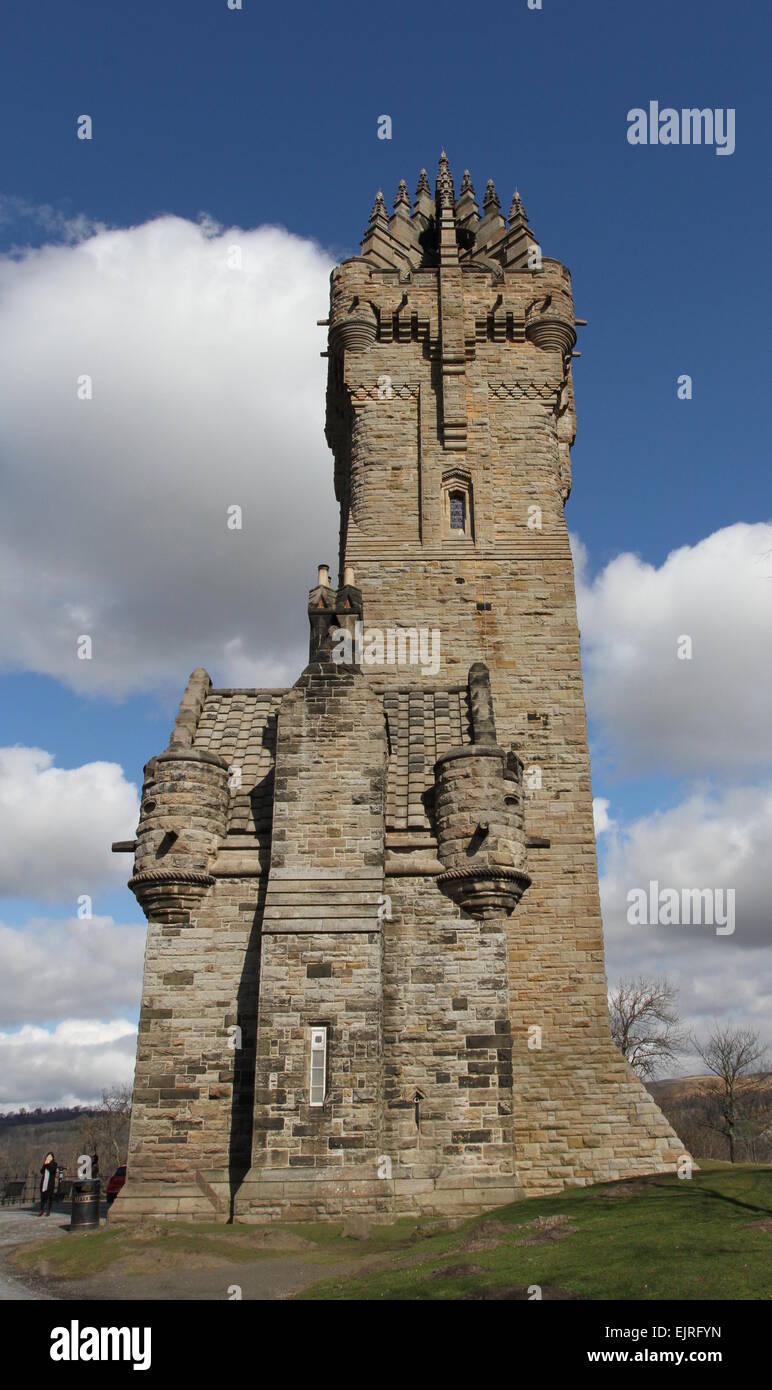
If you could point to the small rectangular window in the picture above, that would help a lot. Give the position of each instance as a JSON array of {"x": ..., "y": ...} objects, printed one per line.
[
  {"x": 318, "y": 1086},
  {"x": 457, "y": 511}
]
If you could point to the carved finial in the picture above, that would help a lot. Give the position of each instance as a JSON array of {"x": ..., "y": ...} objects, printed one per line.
[
  {"x": 423, "y": 204},
  {"x": 402, "y": 200},
  {"x": 467, "y": 211},
  {"x": 445, "y": 196},
  {"x": 491, "y": 202},
  {"x": 516, "y": 210},
  {"x": 378, "y": 213},
  {"x": 379, "y": 217}
]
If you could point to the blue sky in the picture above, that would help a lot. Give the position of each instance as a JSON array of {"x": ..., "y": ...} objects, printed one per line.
[{"x": 269, "y": 116}]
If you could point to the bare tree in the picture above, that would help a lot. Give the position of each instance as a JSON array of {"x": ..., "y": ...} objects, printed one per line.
[
  {"x": 645, "y": 1024},
  {"x": 106, "y": 1131},
  {"x": 733, "y": 1108}
]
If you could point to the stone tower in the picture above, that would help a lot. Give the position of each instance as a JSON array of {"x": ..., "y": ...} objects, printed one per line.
[{"x": 374, "y": 977}]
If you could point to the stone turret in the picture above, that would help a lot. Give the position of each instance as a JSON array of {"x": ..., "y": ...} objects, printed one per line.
[
  {"x": 479, "y": 814},
  {"x": 182, "y": 814}
]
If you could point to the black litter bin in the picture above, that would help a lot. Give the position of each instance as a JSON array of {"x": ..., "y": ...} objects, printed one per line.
[{"x": 85, "y": 1204}]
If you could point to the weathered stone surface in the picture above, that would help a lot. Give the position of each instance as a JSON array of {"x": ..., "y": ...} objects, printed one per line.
[{"x": 469, "y": 1059}]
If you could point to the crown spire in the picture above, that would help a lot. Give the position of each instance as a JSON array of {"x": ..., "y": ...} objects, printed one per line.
[
  {"x": 444, "y": 195},
  {"x": 437, "y": 228}
]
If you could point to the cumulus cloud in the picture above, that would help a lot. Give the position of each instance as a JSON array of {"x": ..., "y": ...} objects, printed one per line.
[
  {"x": 714, "y": 839},
  {"x": 68, "y": 1065},
  {"x": 654, "y": 711},
  {"x": 54, "y": 223},
  {"x": 208, "y": 392},
  {"x": 59, "y": 823},
  {"x": 601, "y": 819},
  {"x": 52, "y": 969}
]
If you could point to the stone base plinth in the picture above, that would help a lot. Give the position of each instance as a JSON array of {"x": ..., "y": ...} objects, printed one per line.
[{"x": 283, "y": 1194}]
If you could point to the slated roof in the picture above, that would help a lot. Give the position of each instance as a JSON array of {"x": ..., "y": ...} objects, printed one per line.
[
  {"x": 422, "y": 723},
  {"x": 240, "y": 725}
]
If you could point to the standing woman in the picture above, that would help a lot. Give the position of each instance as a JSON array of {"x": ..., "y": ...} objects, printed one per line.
[{"x": 47, "y": 1184}]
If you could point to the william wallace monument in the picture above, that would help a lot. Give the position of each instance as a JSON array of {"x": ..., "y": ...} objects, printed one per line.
[{"x": 374, "y": 976}]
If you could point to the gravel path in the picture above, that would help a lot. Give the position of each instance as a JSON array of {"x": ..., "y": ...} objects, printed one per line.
[
  {"x": 267, "y": 1278},
  {"x": 18, "y": 1225}
]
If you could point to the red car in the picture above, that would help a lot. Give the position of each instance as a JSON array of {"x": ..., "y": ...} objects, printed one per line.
[{"x": 115, "y": 1184}]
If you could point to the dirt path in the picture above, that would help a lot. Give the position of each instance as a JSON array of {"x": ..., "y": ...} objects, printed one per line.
[
  {"x": 19, "y": 1226},
  {"x": 267, "y": 1278},
  {"x": 258, "y": 1279}
]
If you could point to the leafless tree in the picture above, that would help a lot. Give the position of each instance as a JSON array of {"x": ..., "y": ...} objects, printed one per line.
[
  {"x": 734, "y": 1107},
  {"x": 106, "y": 1132},
  {"x": 645, "y": 1024}
]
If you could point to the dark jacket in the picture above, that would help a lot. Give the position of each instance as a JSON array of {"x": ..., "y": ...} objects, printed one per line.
[{"x": 50, "y": 1169}]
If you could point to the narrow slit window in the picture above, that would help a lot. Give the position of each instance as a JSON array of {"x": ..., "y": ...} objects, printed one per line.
[
  {"x": 457, "y": 504},
  {"x": 457, "y": 511},
  {"x": 318, "y": 1086}
]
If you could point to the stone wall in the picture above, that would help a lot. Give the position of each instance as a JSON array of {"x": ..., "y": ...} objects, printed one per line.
[
  {"x": 321, "y": 958},
  {"x": 503, "y": 594},
  {"x": 191, "y": 1125},
  {"x": 469, "y": 1053}
]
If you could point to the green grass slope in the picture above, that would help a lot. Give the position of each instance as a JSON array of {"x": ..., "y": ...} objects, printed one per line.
[{"x": 709, "y": 1236}]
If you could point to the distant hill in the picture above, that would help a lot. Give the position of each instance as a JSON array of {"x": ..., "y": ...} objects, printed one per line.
[
  {"x": 682, "y": 1087},
  {"x": 689, "y": 1103},
  {"x": 36, "y": 1117},
  {"x": 26, "y": 1137}
]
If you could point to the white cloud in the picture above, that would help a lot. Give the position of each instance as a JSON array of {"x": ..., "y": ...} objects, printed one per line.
[
  {"x": 58, "y": 825},
  {"x": 208, "y": 390},
  {"x": 653, "y": 711},
  {"x": 69, "y": 1065},
  {"x": 713, "y": 839},
  {"x": 43, "y": 217},
  {"x": 52, "y": 969},
  {"x": 600, "y": 815}
]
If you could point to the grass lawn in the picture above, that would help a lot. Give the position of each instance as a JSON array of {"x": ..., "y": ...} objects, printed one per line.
[{"x": 652, "y": 1238}]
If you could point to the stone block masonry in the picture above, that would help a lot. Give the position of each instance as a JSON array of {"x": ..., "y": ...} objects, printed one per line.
[{"x": 374, "y": 978}]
